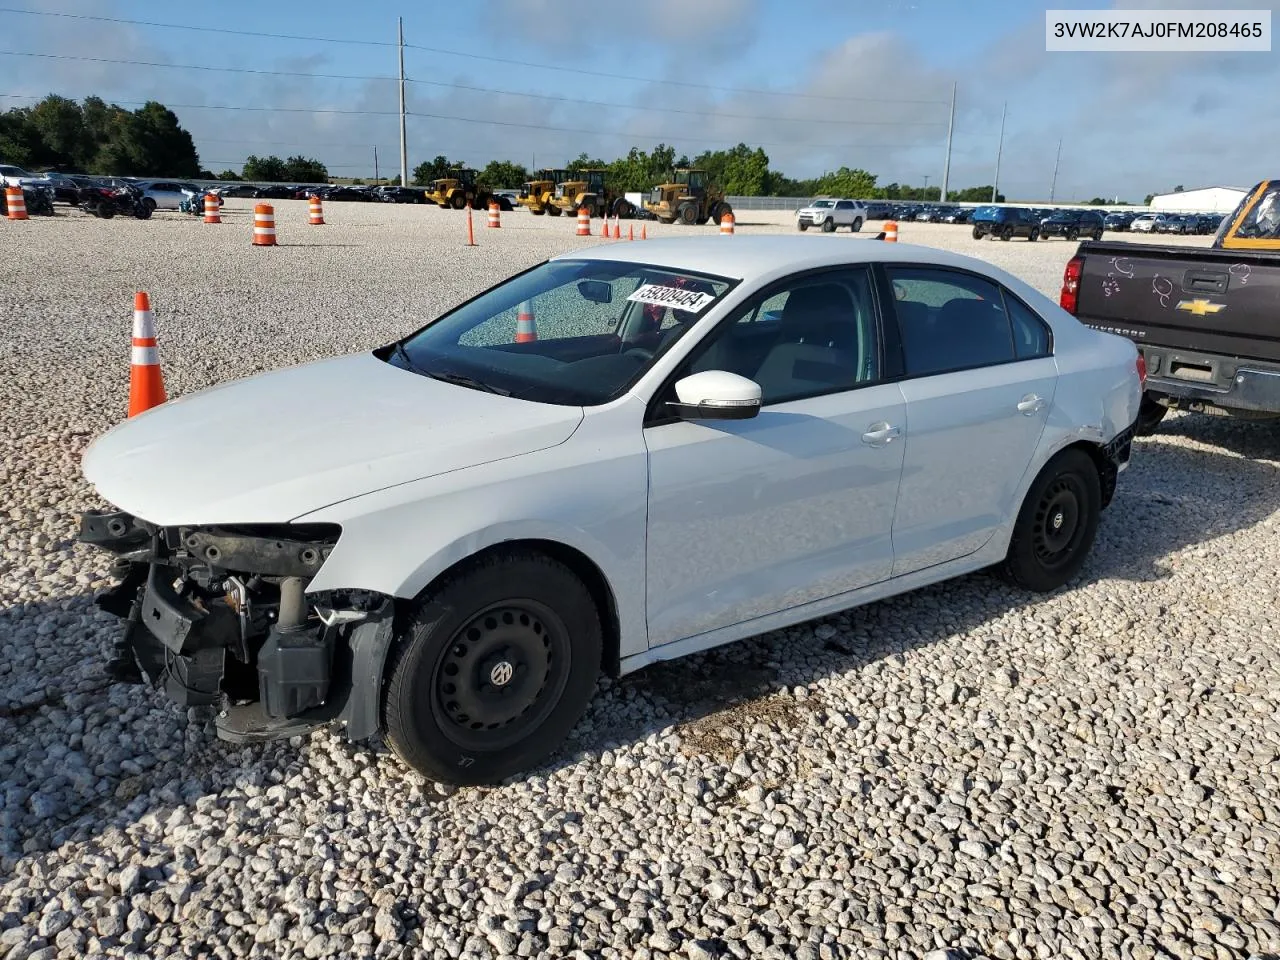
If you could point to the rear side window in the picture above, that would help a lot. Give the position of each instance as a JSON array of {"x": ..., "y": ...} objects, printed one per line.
[
  {"x": 1030, "y": 334},
  {"x": 949, "y": 320}
]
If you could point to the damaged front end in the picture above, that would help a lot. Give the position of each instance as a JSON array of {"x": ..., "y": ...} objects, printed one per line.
[{"x": 219, "y": 616}]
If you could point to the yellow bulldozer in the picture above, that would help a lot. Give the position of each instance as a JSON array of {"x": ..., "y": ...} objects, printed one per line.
[
  {"x": 586, "y": 188},
  {"x": 537, "y": 193},
  {"x": 688, "y": 198},
  {"x": 459, "y": 188}
]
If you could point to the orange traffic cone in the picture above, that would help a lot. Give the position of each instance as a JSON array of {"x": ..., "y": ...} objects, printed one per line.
[
  {"x": 211, "y": 213},
  {"x": 146, "y": 385},
  {"x": 16, "y": 203},
  {"x": 315, "y": 211},
  {"x": 526, "y": 332},
  {"x": 726, "y": 225},
  {"x": 631, "y": 231},
  {"x": 617, "y": 229},
  {"x": 584, "y": 223},
  {"x": 264, "y": 225},
  {"x": 471, "y": 228},
  {"x": 891, "y": 231},
  {"x": 644, "y": 232},
  {"x": 495, "y": 215}
]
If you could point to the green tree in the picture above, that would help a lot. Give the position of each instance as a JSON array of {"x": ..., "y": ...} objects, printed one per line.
[
  {"x": 974, "y": 195},
  {"x": 20, "y": 142},
  {"x": 305, "y": 170},
  {"x": 271, "y": 169},
  {"x": 503, "y": 173},
  {"x": 228, "y": 175},
  {"x": 1146, "y": 202},
  {"x": 60, "y": 124},
  {"x": 430, "y": 170}
]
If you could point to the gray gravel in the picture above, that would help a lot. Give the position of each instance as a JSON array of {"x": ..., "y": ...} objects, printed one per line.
[{"x": 966, "y": 771}]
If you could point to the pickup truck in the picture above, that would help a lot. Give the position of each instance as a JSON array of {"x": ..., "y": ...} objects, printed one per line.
[{"x": 1205, "y": 320}]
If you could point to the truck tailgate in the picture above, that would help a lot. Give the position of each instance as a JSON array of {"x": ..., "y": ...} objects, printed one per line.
[{"x": 1217, "y": 301}]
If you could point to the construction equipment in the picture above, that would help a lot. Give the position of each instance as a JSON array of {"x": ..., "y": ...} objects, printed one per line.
[
  {"x": 536, "y": 194},
  {"x": 586, "y": 188},
  {"x": 459, "y": 188},
  {"x": 689, "y": 198}
]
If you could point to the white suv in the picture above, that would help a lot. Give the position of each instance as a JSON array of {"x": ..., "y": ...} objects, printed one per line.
[{"x": 829, "y": 214}]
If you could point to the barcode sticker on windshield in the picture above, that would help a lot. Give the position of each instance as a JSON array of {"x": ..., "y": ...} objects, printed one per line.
[{"x": 690, "y": 300}]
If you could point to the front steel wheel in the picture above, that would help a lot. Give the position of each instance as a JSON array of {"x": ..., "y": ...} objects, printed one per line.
[
  {"x": 1057, "y": 524},
  {"x": 494, "y": 668}
]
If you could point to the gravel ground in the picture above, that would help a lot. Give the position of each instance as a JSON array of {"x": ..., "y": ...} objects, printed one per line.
[{"x": 965, "y": 771}]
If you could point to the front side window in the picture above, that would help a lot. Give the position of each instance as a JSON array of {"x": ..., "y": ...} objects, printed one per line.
[
  {"x": 567, "y": 332},
  {"x": 811, "y": 336},
  {"x": 949, "y": 320},
  {"x": 1263, "y": 221}
]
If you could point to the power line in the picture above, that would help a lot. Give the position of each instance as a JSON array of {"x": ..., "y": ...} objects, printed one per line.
[
  {"x": 184, "y": 26},
  {"x": 468, "y": 56},
  {"x": 222, "y": 106},
  {"x": 464, "y": 86}
]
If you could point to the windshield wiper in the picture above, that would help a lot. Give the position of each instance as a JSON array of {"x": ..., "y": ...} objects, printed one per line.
[{"x": 462, "y": 380}]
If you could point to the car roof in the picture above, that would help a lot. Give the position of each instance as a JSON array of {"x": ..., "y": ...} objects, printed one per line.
[{"x": 743, "y": 258}]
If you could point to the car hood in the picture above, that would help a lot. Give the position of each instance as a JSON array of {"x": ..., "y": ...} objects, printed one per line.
[{"x": 279, "y": 445}]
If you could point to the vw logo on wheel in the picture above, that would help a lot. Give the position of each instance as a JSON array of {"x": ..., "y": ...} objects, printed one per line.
[
  {"x": 501, "y": 674},
  {"x": 1058, "y": 520}
]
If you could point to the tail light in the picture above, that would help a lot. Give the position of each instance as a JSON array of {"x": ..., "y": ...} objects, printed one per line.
[
  {"x": 1069, "y": 298},
  {"x": 1142, "y": 369}
]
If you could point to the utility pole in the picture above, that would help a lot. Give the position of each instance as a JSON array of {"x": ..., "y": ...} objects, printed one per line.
[
  {"x": 375, "y": 162},
  {"x": 995, "y": 186},
  {"x": 404, "y": 149},
  {"x": 1054, "y": 185},
  {"x": 926, "y": 188},
  {"x": 946, "y": 166}
]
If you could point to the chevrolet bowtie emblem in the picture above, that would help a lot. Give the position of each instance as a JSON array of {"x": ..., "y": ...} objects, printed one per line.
[{"x": 1200, "y": 307}]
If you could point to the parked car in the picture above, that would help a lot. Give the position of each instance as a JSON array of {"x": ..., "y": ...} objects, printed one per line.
[
  {"x": 275, "y": 191},
  {"x": 401, "y": 195},
  {"x": 1005, "y": 223},
  {"x": 242, "y": 190},
  {"x": 830, "y": 213},
  {"x": 163, "y": 194},
  {"x": 1207, "y": 223},
  {"x": 448, "y": 538},
  {"x": 13, "y": 176},
  {"x": 910, "y": 211},
  {"x": 62, "y": 187},
  {"x": 958, "y": 215},
  {"x": 1071, "y": 224},
  {"x": 1176, "y": 223},
  {"x": 878, "y": 210},
  {"x": 339, "y": 192},
  {"x": 37, "y": 200},
  {"x": 1118, "y": 221},
  {"x": 1145, "y": 223}
]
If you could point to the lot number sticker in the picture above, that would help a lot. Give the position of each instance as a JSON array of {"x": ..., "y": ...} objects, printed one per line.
[{"x": 690, "y": 300}]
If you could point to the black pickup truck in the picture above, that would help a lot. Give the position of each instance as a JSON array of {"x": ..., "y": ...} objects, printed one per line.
[{"x": 1206, "y": 320}]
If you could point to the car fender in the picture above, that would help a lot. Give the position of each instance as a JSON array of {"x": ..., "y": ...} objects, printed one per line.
[{"x": 588, "y": 494}]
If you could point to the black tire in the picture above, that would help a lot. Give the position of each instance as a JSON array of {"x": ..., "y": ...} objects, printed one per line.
[
  {"x": 1006, "y": 233},
  {"x": 719, "y": 212},
  {"x": 149, "y": 204},
  {"x": 143, "y": 211},
  {"x": 828, "y": 225},
  {"x": 687, "y": 213},
  {"x": 977, "y": 234},
  {"x": 458, "y": 201},
  {"x": 505, "y": 205},
  {"x": 802, "y": 226},
  {"x": 1150, "y": 413},
  {"x": 1097, "y": 235},
  {"x": 1056, "y": 525},
  {"x": 554, "y": 211},
  {"x": 592, "y": 209},
  {"x": 856, "y": 226},
  {"x": 623, "y": 210},
  {"x": 1034, "y": 235},
  {"x": 1072, "y": 233},
  {"x": 536, "y": 212},
  {"x": 106, "y": 211},
  {"x": 460, "y": 637}
]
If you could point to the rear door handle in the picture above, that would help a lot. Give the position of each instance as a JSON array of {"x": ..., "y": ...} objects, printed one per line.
[
  {"x": 1030, "y": 404},
  {"x": 879, "y": 434}
]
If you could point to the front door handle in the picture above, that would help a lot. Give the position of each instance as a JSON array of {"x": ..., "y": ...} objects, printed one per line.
[
  {"x": 879, "y": 434},
  {"x": 1030, "y": 404}
]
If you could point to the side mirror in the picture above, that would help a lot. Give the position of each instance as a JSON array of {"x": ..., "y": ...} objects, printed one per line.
[
  {"x": 597, "y": 291},
  {"x": 716, "y": 395}
]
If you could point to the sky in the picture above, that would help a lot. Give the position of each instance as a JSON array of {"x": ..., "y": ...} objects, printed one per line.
[{"x": 818, "y": 84}]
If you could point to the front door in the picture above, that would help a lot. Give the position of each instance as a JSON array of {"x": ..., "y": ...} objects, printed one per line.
[{"x": 750, "y": 517}]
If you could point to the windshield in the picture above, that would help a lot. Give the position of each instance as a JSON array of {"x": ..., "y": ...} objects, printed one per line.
[
  {"x": 1263, "y": 221},
  {"x": 823, "y": 203},
  {"x": 566, "y": 332}
]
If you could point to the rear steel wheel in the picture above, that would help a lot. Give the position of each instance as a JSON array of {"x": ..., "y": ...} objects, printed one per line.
[{"x": 1056, "y": 524}]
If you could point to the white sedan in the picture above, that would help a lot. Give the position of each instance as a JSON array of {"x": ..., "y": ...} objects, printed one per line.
[{"x": 625, "y": 454}]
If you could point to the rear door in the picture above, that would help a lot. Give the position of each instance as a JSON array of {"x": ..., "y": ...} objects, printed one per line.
[{"x": 979, "y": 383}]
